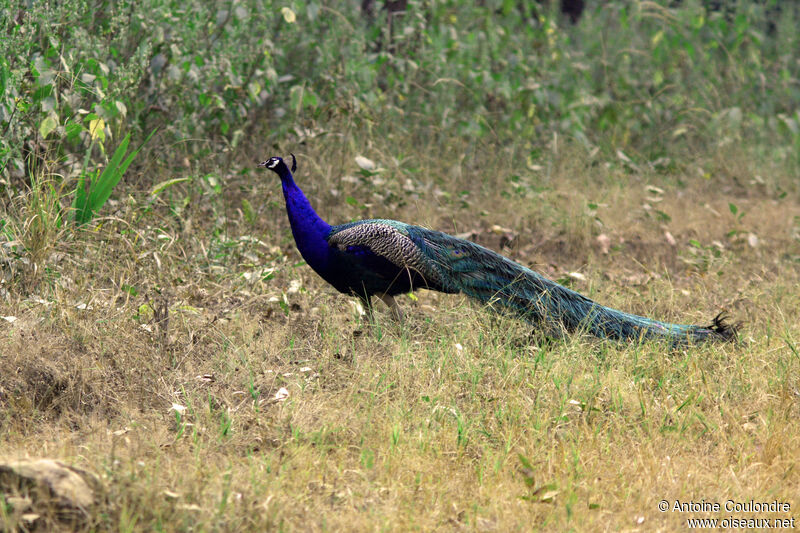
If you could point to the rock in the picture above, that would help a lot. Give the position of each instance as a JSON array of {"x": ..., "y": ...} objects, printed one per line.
[{"x": 68, "y": 485}]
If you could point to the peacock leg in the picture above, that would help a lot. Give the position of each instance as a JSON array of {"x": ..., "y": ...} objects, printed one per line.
[
  {"x": 366, "y": 303},
  {"x": 391, "y": 303}
]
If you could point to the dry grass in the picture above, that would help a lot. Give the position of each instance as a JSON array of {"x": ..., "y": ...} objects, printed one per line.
[{"x": 456, "y": 419}]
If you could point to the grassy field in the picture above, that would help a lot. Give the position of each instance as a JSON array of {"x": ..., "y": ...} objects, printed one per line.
[
  {"x": 456, "y": 418},
  {"x": 176, "y": 347}
]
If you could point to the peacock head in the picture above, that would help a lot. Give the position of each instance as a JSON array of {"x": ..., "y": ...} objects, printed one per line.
[{"x": 277, "y": 165}]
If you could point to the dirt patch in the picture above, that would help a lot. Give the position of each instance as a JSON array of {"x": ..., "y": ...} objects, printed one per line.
[{"x": 45, "y": 376}]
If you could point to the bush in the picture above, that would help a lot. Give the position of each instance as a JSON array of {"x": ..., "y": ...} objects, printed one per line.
[{"x": 79, "y": 73}]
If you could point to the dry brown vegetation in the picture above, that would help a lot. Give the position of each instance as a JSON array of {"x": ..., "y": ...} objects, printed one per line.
[{"x": 151, "y": 350}]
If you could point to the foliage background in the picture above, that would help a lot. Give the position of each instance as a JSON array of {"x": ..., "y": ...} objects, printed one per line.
[{"x": 628, "y": 76}]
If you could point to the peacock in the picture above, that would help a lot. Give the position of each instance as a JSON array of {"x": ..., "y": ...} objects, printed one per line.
[{"x": 385, "y": 258}]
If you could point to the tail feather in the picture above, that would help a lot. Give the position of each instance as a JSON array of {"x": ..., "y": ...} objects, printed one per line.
[{"x": 488, "y": 277}]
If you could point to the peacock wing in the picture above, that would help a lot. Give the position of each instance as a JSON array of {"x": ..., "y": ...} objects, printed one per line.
[{"x": 386, "y": 239}]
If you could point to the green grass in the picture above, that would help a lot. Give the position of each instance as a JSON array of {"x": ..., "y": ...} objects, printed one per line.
[{"x": 152, "y": 345}]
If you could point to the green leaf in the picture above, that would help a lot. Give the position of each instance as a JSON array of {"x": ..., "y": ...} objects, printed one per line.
[
  {"x": 254, "y": 89},
  {"x": 79, "y": 202},
  {"x": 310, "y": 99},
  {"x": 527, "y": 470},
  {"x": 73, "y": 130},
  {"x": 733, "y": 208},
  {"x": 145, "y": 313},
  {"x": 526, "y": 463},
  {"x": 87, "y": 204},
  {"x": 247, "y": 209},
  {"x": 662, "y": 216},
  {"x": 101, "y": 187},
  {"x": 47, "y": 126},
  {"x": 130, "y": 289},
  {"x": 4, "y": 75},
  {"x": 97, "y": 129},
  {"x": 284, "y": 306}
]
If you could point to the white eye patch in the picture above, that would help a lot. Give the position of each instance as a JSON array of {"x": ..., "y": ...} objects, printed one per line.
[{"x": 273, "y": 163}]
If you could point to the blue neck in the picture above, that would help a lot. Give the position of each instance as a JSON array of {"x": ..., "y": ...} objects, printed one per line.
[{"x": 308, "y": 229}]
